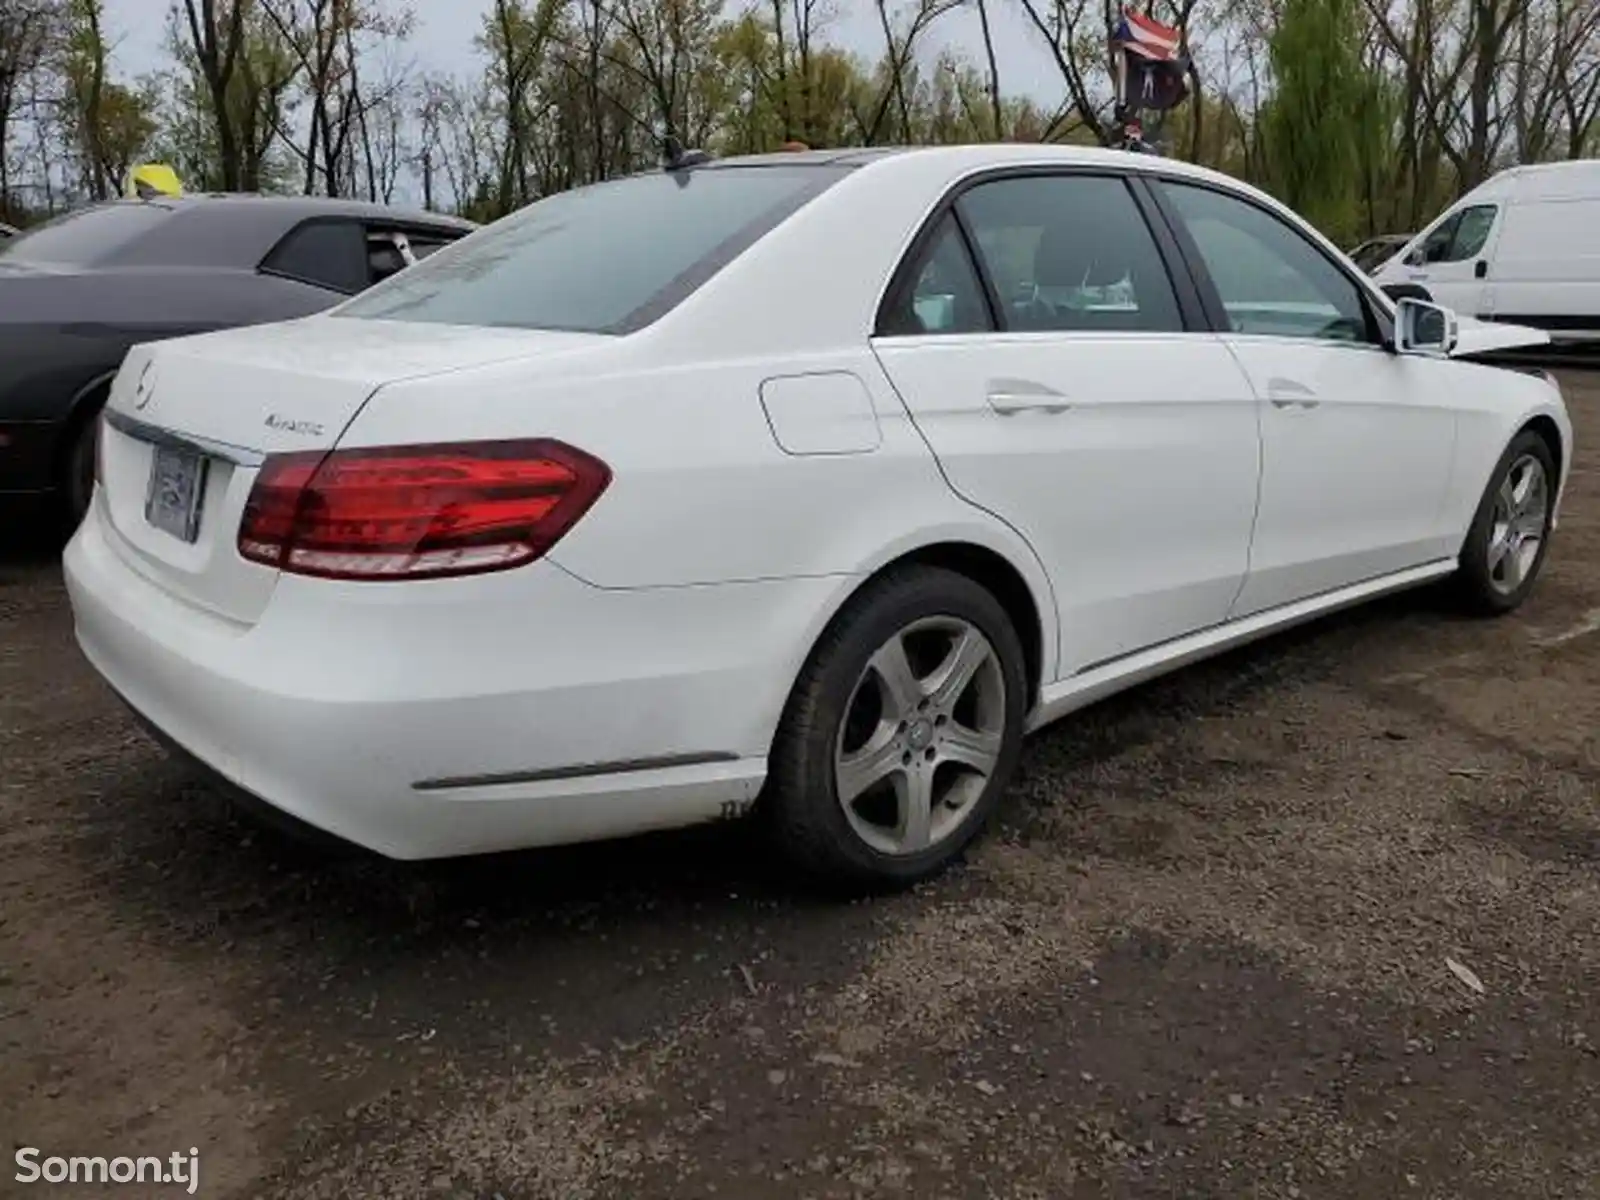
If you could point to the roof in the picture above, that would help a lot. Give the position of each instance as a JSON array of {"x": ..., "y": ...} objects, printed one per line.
[
  {"x": 846, "y": 156},
  {"x": 973, "y": 156},
  {"x": 294, "y": 208}
]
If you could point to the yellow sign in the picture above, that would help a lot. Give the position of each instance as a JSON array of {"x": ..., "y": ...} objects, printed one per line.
[{"x": 150, "y": 180}]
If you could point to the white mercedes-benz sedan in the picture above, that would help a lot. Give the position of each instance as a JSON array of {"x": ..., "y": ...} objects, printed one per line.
[{"x": 804, "y": 484}]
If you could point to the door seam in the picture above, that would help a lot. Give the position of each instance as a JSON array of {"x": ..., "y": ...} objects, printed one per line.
[{"x": 1261, "y": 472}]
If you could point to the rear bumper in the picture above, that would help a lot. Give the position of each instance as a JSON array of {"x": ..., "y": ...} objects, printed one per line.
[{"x": 428, "y": 720}]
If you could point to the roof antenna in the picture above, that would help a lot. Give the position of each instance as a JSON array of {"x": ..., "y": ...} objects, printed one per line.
[{"x": 675, "y": 158}]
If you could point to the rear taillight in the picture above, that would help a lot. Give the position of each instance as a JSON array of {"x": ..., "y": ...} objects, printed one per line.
[{"x": 417, "y": 512}]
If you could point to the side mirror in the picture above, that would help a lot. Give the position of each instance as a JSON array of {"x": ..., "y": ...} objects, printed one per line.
[
  {"x": 1425, "y": 329},
  {"x": 1418, "y": 257}
]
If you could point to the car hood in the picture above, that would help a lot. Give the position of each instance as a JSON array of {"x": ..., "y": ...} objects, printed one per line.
[{"x": 1487, "y": 337}]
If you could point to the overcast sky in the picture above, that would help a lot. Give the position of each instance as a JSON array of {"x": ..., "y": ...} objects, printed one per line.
[{"x": 446, "y": 28}]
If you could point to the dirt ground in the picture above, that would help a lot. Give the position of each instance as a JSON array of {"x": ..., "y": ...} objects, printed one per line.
[{"x": 1205, "y": 955}]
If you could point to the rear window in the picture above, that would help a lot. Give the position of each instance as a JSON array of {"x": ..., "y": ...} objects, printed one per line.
[
  {"x": 607, "y": 258},
  {"x": 86, "y": 237}
]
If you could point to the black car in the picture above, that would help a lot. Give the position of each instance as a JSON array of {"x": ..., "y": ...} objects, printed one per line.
[{"x": 77, "y": 292}]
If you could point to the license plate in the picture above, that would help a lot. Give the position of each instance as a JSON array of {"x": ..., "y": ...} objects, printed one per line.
[{"x": 177, "y": 489}]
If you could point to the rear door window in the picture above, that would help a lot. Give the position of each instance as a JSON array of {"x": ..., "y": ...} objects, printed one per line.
[
  {"x": 606, "y": 258},
  {"x": 426, "y": 243},
  {"x": 328, "y": 254},
  {"x": 943, "y": 295},
  {"x": 1071, "y": 253}
]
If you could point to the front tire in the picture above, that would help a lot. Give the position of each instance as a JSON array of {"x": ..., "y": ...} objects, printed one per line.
[
  {"x": 901, "y": 733},
  {"x": 1510, "y": 532}
]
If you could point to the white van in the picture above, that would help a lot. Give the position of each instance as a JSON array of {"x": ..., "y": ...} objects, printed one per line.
[{"x": 1522, "y": 247}]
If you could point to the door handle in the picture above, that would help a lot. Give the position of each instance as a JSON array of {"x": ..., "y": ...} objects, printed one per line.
[
  {"x": 1289, "y": 393},
  {"x": 1008, "y": 404},
  {"x": 1481, "y": 269},
  {"x": 1011, "y": 396}
]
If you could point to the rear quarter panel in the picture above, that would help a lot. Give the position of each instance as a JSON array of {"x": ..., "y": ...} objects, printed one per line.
[
  {"x": 701, "y": 491},
  {"x": 702, "y": 495}
]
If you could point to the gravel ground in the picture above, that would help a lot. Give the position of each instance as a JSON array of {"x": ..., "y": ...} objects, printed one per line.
[{"x": 1206, "y": 954}]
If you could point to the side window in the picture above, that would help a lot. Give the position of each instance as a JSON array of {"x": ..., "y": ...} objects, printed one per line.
[
  {"x": 1472, "y": 226},
  {"x": 328, "y": 254},
  {"x": 945, "y": 296},
  {"x": 425, "y": 244},
  {"x": 1436, "y": 246},
  {"x": 1070, "y": 253},
  {"x": 384, "y": 255},
  {"x": 1272, "y": 279}
]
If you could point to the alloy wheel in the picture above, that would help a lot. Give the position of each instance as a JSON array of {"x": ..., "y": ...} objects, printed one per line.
[
  {"x": 922, "y": 736},
  {"x": 1517, "y": 529}
]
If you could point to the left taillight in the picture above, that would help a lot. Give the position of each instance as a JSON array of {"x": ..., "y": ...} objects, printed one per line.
[{"x": 417, "y": 512}]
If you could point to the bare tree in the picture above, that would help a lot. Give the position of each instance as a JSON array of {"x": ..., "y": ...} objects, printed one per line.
[
  {"x": 217, "y": 28},
  {"x": 27, "y": 29}
]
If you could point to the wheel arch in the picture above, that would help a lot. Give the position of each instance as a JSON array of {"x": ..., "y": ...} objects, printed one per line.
[
  {"x": 1549, "y": 420},
  {"x": 1007, "y": 568},
  {"x": 84, "y": 406},
  {"x": 996, "y": 575},
  {"x": 1545, "y": 426}
]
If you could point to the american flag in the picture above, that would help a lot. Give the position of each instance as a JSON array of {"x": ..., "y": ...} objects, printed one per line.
[{"x": 1145, "y": 38}]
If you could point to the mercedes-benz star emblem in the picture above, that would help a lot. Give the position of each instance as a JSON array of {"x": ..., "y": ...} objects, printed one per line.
[{"x": 142, "y": 393}]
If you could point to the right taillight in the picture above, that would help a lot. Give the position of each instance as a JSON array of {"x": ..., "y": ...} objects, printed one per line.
[{"x": 417, "y": 512}]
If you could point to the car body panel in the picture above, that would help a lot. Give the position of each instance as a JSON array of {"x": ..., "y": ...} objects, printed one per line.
[
  {"x": 1131, "y": 430},
  {"x": 1357, "y": 445}
]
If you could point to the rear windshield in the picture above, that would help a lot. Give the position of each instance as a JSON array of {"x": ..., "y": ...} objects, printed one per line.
[
  {"x": 85, "y": 237},
  {"x": 607, "y": 258}
]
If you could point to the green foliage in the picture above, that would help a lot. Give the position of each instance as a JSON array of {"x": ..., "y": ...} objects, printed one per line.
[
  {"x": 1365, "y": 117},
  {"x": 1329, "y": 119}
]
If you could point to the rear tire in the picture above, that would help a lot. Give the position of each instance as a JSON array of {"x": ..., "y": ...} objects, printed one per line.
[
  {"x": 901, "y": 733},
  {"x": 77, "y": 470},
  {"x": 1505, "y": 547}
]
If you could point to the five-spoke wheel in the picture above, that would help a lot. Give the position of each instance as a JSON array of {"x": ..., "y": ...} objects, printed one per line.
[
  {"x": 922, "y": 735},
  {"x": 1521, "y": 511},
  {"x": 1506, "y": 545},
  {"x": 901, "y": 732}
]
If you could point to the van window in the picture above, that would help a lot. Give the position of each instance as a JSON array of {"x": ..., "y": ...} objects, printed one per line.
[{"x": 1462, "y": 236}]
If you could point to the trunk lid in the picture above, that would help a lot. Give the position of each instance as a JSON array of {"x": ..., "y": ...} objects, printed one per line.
[{"x": 189, "y": 421}]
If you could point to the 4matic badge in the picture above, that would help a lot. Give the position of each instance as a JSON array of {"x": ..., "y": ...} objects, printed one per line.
[{"x": 287, "y": 425}]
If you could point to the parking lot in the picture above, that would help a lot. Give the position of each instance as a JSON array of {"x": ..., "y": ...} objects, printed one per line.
[{"x": 1207, "y": 953}]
